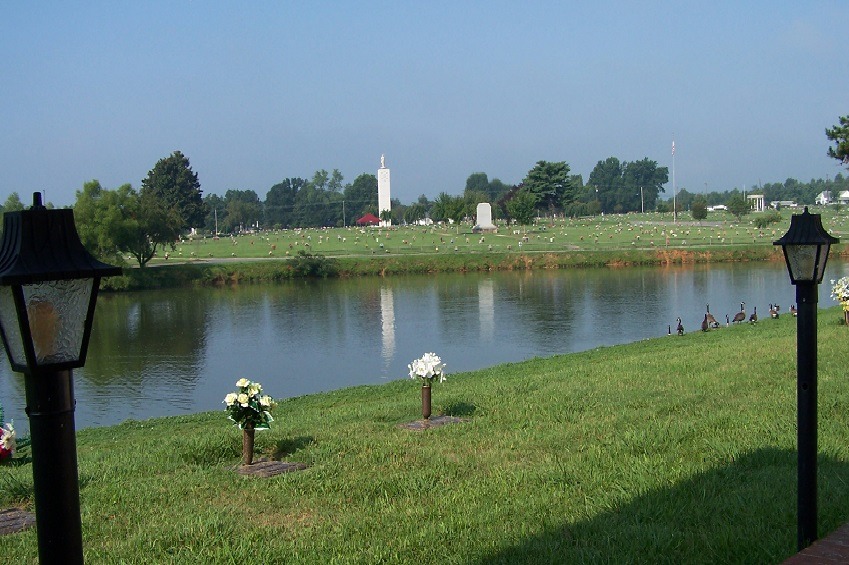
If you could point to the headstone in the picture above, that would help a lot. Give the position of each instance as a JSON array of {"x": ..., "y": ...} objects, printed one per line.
[{"x": 484, "y": 214}]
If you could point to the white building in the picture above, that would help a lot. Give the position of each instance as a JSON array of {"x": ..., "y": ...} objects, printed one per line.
[{"x": 756, "y": 202}]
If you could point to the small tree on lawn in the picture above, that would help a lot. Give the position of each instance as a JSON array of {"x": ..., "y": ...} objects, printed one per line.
[{"x": 698, "y": 208}]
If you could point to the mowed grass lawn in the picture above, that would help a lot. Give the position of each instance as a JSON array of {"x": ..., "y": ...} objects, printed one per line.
[
  {"x": 671, "y": 450},
  {"x": 622, "y": 231}
]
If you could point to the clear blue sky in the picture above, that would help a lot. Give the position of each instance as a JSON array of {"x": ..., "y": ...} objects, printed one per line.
[{"x": 253, "y": 93}]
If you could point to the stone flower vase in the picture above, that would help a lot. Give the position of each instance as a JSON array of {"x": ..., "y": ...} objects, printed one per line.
[
  {"x": 425, "y": 401},
  {"x": 248, "y": 444},
  {"x": 846, "y": 317}
]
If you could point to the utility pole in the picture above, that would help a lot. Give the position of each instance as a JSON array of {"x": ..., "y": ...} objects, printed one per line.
[{"x": 674, "y": 187}]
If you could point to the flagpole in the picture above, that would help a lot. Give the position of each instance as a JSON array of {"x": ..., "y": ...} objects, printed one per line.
[{"x": 674, "y": 187}]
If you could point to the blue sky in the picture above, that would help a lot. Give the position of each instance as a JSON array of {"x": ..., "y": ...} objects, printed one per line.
[{"x": 254, "y": 93}]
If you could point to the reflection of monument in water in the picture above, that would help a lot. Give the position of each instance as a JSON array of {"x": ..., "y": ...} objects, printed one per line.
[
  {"x": 383, "y": 200},
  {"x": 387, "y": 323},
  {"x": 486, "y": 309}
]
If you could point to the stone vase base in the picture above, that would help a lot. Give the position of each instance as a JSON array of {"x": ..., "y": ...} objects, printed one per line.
[
  {"x": 248, "y": 446},
  {"x": 425, "y": 402}
]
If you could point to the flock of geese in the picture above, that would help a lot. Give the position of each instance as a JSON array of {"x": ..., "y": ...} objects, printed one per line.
[{"x": 711, "y": 323}]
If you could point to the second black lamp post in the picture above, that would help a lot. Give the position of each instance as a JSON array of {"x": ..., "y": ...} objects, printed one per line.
[{"x": 806, "y": 245}]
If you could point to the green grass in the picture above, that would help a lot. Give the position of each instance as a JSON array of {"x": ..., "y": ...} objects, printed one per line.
[
  {"x": 671, "y": 450},
  {"x": 647, "y": 231},
  {"x": 618, "y": 240}
]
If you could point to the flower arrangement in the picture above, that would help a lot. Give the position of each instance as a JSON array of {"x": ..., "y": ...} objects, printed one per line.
[
  {"x": 7, "y": 441},
  {"x": 840, "y": 291},
  {"x": 248, "y": 407},
  {"x": 429, "y": 368}
]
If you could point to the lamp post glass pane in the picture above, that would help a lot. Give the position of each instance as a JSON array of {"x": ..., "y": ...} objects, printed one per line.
[
  {"x": 802, "y": 260},
  {"x": 57, "y": 312},
  {"x": 821, "y": 260},
  {"x": 11, "y": 328}
]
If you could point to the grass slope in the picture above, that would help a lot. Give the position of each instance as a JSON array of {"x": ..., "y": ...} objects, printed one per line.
[{"x": 671, "y": 450}]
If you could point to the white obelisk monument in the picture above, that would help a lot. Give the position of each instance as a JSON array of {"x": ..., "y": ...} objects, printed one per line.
[{"x": 383, "y": 200}]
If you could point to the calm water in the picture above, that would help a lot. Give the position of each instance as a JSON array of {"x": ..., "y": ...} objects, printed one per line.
[{"x": 180, "y": 351}]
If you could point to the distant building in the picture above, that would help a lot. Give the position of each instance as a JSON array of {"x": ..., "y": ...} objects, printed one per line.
[
  {"x": 717, "y": 207},
  {"x": 368, "y": 220},
  {"x": 756, "y": 201},
  {"x": 823, "y": 198},
  {"x": 843, "y": 197},
  {"x": 776, "y": 204}
]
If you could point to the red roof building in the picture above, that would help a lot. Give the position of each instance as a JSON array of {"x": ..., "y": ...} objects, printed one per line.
[{"x": 368, "y": 220}]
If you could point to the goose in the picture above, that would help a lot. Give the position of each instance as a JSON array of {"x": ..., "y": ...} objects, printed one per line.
[
  {"x": 705, "y": 324},
  {"x": 754, "y": 317},
  {"x": 710, "y": 319},
  {"x": 741, "y": 315},
  {"x": 793, "y": 310},
  {"x": 680, "y": 327},
  {"x": 773, "y": 311},
  {"x": 668, "y": 330},
  {"x": 727, "y": 321}
]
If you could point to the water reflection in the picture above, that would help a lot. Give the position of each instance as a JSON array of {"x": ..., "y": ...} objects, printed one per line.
[
  {"x": 171, "y": 352},
  {"x": 387, "y": 319},
  {"x": 486, "y": 309}
]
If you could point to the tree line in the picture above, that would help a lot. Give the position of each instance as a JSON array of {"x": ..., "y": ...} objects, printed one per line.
[
  {"x": 169, "y": 201},
  {"x": 791, "y": 190}
]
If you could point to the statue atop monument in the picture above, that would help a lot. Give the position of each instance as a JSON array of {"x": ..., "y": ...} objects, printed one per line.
[{"x": 382, "y": 161}]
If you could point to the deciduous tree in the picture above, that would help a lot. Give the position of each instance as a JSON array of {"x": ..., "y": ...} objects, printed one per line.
[
  {"x": 173, "y": 182},
  {"x": 627, "y": 187},
  {"x": 13, "y": 203},
  {"x": 606, "y": 179},
  {"x": 839, "y": 134},
  {"x": 243, "y": 209},
  {"x": 643, "y": 179},
  {"x": 124, "y": 221},
  {"x": 447, "y": 207},
  {"x": 698, "y": 208},
  {"x": 521, "y": 206},
  {"x": 737, "y": 205},
  {"x": 280, "y": 202},
  {"x": 361, "y": 196},
  {"x": 551, "y": 185},
  {"x": 414, "y": 213}
]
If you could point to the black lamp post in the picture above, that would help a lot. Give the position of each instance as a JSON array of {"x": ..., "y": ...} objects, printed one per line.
[
  {"x": 806, "y": 245},
  {"x": 48, "y": 289}
]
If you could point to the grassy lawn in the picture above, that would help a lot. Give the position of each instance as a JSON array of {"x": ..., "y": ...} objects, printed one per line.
[
  {"x": 629, "y": 231},
  {"x": 672, "y": 450}
]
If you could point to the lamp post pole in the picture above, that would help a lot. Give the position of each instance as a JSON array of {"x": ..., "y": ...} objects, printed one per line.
[
  {"x": 50, "y": 407},
  {"x": 806, "y": 412},
  {"x": 48, "y": 291},
  {"x": 806, "y": 245}
]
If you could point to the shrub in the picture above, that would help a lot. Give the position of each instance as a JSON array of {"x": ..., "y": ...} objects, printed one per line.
[{"x": 767, "y": 218}]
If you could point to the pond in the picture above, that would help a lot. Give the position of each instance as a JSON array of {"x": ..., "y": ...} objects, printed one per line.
[{"x": 172, "y": 352}]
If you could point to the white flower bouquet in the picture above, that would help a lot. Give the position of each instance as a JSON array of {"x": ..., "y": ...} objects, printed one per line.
[
  {"x": 248, "y": 407},
  {"x": 429, "y": 368}
]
